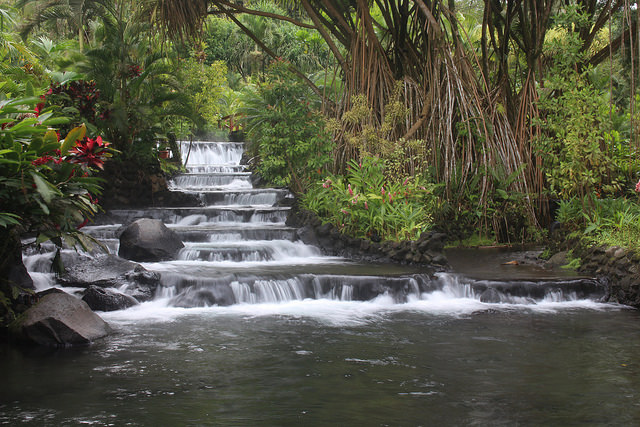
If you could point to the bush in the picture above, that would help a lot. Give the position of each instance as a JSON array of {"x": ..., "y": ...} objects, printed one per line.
[
  {"x": 289, "y": 134},
  {"x": 367, "y": 204},
  {"x": 45, "y": 185}
]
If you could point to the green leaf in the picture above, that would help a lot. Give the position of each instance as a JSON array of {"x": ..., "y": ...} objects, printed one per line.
[
  {"x": 57, "y": 266},
  {"x": 7, "y": 219},
  {"x": 74, "y": 135},
  {"x": 50, "y": 137},
  {"x": 45, "y": 188},
  {"x": 502, "y": 193},
  {"x": 29, "y": 89}
]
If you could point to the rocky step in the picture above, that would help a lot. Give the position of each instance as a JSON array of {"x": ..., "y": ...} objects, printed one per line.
[
  {"x": 203, "y": 152},
  {"x": 243, "y": 251},
  {"x": 227, "y": 289},
  {"x": 218, "y": 169},
  {"x": 205, "y": 233},
  {"x": 188, "y": 216},
  {"x": 213, "y": 180},
  {"x": 248, "y": 197}
]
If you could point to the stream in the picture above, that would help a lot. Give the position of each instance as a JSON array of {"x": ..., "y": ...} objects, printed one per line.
[{"x": 306, "y": 339}]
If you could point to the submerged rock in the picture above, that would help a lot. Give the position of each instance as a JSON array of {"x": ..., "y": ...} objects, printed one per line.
[
  {"x": 59, "y": 320},
  {"x": 149, "y": 240},
  {"x": 205, "y": 297},
  {"x": 99, "y": 299}
]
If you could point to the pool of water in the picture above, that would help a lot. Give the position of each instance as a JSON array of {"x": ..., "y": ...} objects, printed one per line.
[{"x": 318, "y": 362}]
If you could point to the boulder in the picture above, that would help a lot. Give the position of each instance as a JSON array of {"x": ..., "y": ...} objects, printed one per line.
[
  {"x": 59, "y": 320},
  {"x": 100, "y": 299},
  {"x": 557, "y": 260},
  {"x": 491, "y": 296},
  {"x": 149, "y": 240},
  {"x": 111, "y": 271}
]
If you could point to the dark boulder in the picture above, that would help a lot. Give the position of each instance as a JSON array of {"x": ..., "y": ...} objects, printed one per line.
[
  {"x": 491, "y": 296},
  {"x": 59, "y": 320},
  {"x": 307, "y": 235},
  {"x": 111, "y": 271},
  {"x": 149, "y": 240},
  {"x": 100, "y": 299}
]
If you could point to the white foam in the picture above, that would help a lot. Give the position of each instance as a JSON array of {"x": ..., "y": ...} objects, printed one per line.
[{"x": 342, "y": 313}]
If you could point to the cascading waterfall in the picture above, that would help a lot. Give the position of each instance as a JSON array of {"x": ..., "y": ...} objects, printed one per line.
[{"x": 238, "y": 250}]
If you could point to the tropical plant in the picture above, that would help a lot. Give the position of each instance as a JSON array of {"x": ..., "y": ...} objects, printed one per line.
[
  {"x": 136, "y": 79},
  {"x": 367, "y": 203},
  {"x": 288, "y": 133},
  {"x": 45, "y": 185}
]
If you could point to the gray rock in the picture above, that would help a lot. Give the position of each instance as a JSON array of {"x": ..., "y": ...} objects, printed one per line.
[
  {"x": 557, "y": 260},
  {"x": 307, "y": 236},
  {"x": 149, "y": 240},
  {"x": 110, "y": 271},
  {"x": 99, "y": 299},
  {"x": 103, "y": 271},
  {"x": 491, "y": 296},
  {"x": 60, "y": 320}
]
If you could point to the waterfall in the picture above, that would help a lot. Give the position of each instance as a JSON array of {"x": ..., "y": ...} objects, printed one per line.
[{"x": 238, "y": 250}]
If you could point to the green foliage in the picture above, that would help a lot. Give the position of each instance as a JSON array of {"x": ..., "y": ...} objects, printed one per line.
[
  {"x": 302, "y": 47},
  {"x": 368, "y": 203},
  {"x": 577, "y": 161},
  {"x": 583, "y": 154},
  {"x": 573, "y": 261},
  {"x": 612, "y": 222},
  {"x": 45, "y": 183},
  {"x": 139, "y": 90},
  {"x": 204, "y": 85},
  {"x": 289, "y": 134}
]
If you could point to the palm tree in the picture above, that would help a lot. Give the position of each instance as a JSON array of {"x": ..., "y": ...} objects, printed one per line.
[{"x": 75, "y": 13}]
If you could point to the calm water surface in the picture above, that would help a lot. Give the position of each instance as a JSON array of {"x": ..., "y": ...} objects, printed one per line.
[{"x": 449, "y": 362}]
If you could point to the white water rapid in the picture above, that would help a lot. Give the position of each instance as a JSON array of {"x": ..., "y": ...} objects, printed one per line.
[{"x": 241, "y": 257}]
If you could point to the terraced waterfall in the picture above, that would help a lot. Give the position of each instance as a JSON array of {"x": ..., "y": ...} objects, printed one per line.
[
  {"x": 250, "y": 326},
  {"x": 239, "y": 250}
]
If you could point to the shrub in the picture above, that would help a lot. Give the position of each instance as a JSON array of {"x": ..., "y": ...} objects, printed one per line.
[
  {"x": 289, "y": 134},
  {"x": 45, "y": 185},
  {"x": 367, "y": 204}
]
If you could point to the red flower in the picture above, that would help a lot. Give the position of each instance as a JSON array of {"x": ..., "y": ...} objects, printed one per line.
[
  {"x": 42, "y": 160},
  {"x": 90, "y": 152}
]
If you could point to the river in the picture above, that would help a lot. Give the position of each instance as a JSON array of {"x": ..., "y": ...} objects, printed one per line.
[{"x": 315, "y": 340}]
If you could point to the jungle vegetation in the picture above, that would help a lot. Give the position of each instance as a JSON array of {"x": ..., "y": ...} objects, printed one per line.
[{"x": 388, "y": 118}]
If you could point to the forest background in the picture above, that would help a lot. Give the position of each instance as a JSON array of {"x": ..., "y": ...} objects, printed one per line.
[{"x": 489, "y": 120}]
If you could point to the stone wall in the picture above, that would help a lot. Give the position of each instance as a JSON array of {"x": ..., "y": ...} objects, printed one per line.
[
  {"x": 618, "y": 268},
  {"x": 426, "y": 251}
]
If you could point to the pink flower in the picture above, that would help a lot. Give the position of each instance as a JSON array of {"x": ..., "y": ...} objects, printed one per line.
[
  {"x": 366, "y": 206},
  {"x": 382, "y": 190},
  {"x": 638, "y": 187},
  {"x": 350, "y": 190}
]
